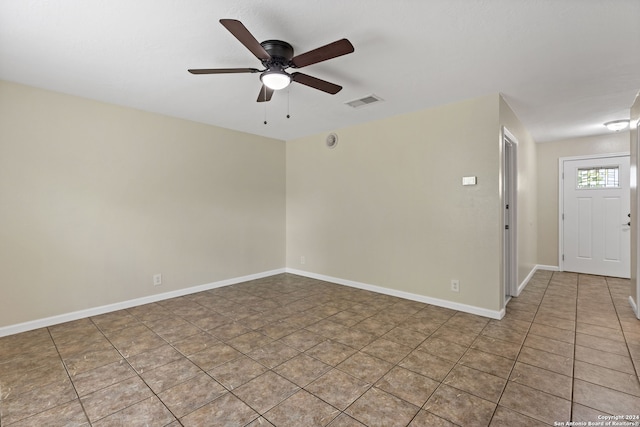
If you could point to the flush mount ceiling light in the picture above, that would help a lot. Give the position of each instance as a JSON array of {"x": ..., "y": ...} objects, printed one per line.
[
  {"x": 617, "y": 125},
  {"x": 275, "y": 79}
]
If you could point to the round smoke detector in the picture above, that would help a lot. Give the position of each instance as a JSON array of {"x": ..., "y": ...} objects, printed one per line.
[{"x": 332, "y": 140}]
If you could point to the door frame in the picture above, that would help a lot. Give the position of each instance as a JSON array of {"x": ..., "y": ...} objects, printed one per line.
[
  {"x": 561, "y": 161},
  {"x": 509, "y": 190},
  {"x": 635, "y": 211}
]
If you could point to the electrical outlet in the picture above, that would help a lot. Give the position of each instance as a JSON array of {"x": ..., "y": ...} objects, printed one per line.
[
  {"x": 157, "y": 279},
  {"x": 303, "y": 260},
  {"x": 455, "y": 285}
]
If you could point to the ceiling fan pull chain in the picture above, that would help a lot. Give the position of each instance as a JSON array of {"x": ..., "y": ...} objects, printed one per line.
[
  {"x": 265, "y": 105},
  {"x": 288, "y": 98}
]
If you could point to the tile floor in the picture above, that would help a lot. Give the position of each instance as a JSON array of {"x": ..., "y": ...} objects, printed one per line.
[{"x": 292, "y": 351}]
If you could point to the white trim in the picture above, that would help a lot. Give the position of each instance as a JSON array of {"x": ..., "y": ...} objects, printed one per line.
[
  {"x": 547, "y": 267},
  {"x": 509, "y": 240},
  {"x": 535, "y": 268},
  {"x": 596, "y": 156},
  {"x": 80, "y": 314},
  {"x": 561, "y": 161},
  {"x": 401, "y": 294},
  {"x": 634, "y": 307},
  {"x": 635, "y": 223},
  {"x": 525, "y": 282}
]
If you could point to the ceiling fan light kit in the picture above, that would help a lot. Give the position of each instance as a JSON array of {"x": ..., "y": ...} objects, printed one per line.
[
  {"x": 276, "y": 56},
  {"x": 275, "y": 79},
  {"x": 617, "y": 125}
]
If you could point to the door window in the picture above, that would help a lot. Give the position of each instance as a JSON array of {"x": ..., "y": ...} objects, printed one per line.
[{"x": 598, "y": 177}]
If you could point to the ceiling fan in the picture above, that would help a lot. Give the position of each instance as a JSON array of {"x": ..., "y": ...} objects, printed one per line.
[{"x": 276, "y": 57}]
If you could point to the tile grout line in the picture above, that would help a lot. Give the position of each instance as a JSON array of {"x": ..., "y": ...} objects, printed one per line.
[
  {"x": 372, "y": 385},
  {"x": 129, "y": 364},
  {"x": 84, "y": 411},
  {"x": 608, "y": 291},
  {"x": 626, "y": 343},
  {"x": 575, "y": 343},
  {"x": 139, "y": 374},
  {"x": 449, "y": 371},
  {"x": 440, "y": 382},
  {"x": 520, "y": 350}
]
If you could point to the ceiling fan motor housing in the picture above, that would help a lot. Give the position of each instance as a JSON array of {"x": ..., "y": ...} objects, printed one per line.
[{"x": 281, "y": 53}]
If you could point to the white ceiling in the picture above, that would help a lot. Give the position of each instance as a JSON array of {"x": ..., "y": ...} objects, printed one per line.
[{"x": 564, "y": 66}]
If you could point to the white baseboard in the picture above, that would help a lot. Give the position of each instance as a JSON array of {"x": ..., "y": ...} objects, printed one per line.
[
  {"x": 634, "y": 307},
  {"x": 547, "y": 267},
  {"x": 522, "y": 285},
  {"x": 401, "y": 294},
  {"x": 532, "y": 272},
  {"x": 67, "y": 317}
]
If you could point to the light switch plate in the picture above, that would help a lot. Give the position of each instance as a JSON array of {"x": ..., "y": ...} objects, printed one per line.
[{"x": 468, "y": 180}]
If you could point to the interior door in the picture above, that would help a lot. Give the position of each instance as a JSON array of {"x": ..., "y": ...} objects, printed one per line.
[{"x": 596, "y": 216}]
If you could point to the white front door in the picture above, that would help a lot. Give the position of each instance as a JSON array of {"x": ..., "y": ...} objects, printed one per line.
[{"x": 596, "y": 223}]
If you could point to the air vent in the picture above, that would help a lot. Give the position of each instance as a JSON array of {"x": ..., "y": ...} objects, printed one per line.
[{"x": 367, "y": 100}]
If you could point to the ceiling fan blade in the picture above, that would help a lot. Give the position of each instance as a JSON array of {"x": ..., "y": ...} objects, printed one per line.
[
  {"x": 223, "y": 70},
  {"x": 332, "y": 50},
  {"x": 265, "y": 94},
  {"x": 240, "y": 32},
  {"x": 316, "y": 83}
]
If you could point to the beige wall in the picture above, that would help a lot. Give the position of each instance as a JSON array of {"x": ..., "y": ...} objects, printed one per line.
[
  {"x": 95, "y": 199},
  {"x": 386, "y": 207},
  {"x": 548, "y": 155}
]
